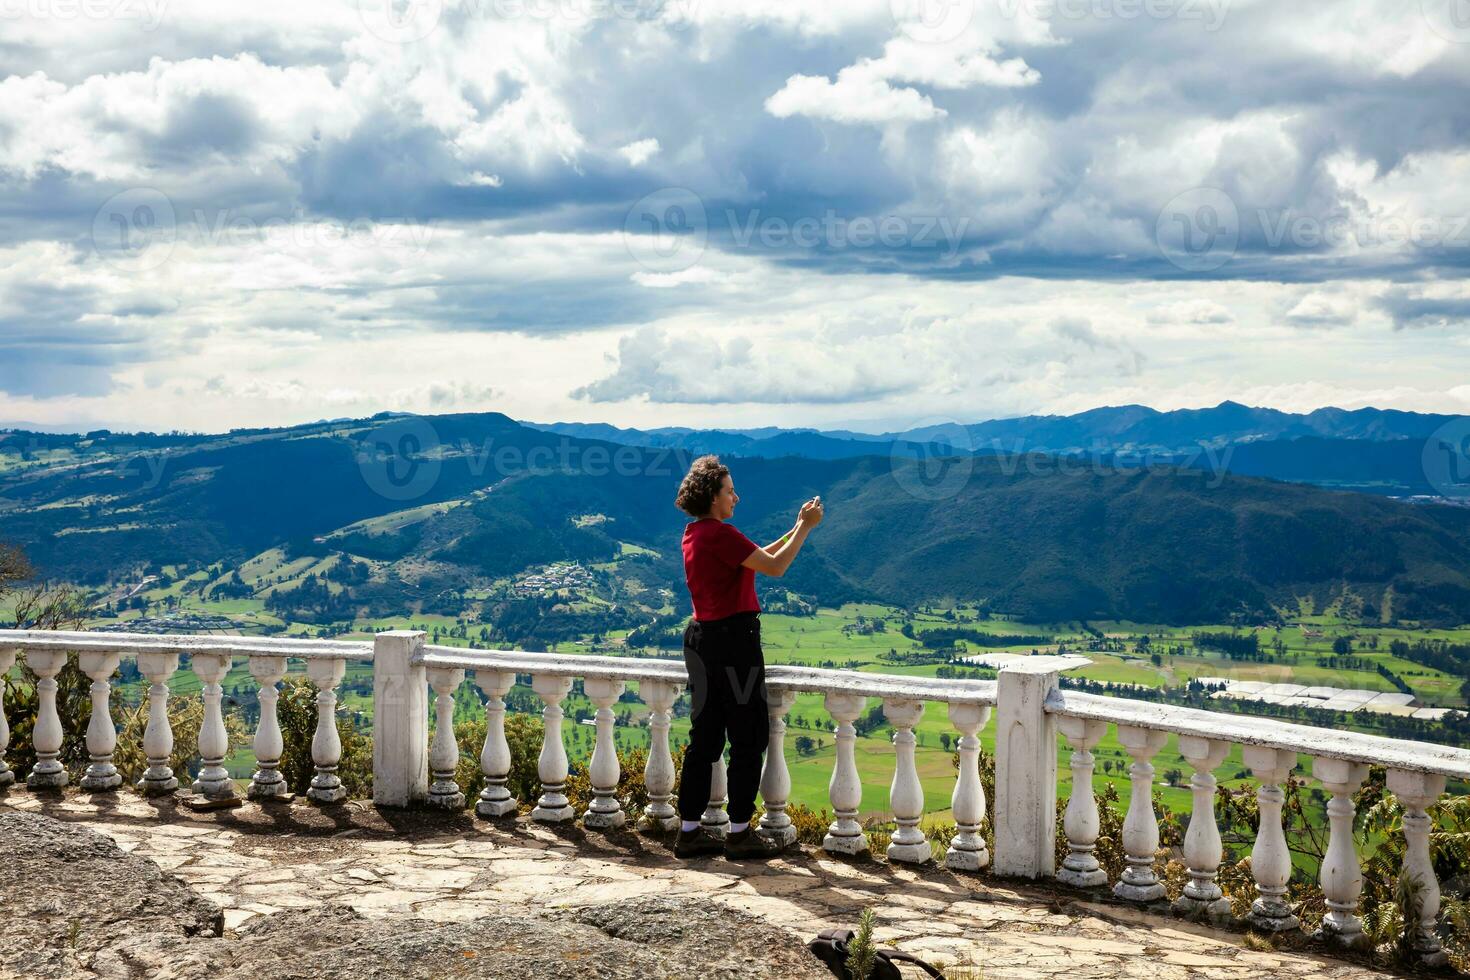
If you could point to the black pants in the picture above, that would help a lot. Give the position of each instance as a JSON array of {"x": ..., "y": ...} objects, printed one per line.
[{"x": 727, "y": 682}]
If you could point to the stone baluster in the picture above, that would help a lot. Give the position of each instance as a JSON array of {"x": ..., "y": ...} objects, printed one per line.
[
  {"x": 775, "y": 822},
  {"x": 967, "y": 852},
  {"x": 48, "y": 772},
  {"x": 845, "y": 835},
  {"x": 495, "y": 761},
  {"x": 715, "y": 819},
  {"x": 7, "y": 661},
  {"x": 1141, "y": 826},
  {"x": 101, "y": 775},
  {"x": 267, "y": 783},
  {"x": 214, "y": 783},
  {"x": 158, "y": 738},
  {"x": 906, "y": 794},
  {"x": 1342, "y": 876},
  {"x": 604, "y": 812},
  {"x": 1203, "y": 850},
  {"x": 1270, "y": 858},
  {"x": 444, "y": 792},
  {"x": 658, "y": 774},
  {"x": 552, "y": 807},
  {"x": 1081, "y": 822},
  {"x": 1416, "y": 791},
  {"x": 326, "y": 745}
]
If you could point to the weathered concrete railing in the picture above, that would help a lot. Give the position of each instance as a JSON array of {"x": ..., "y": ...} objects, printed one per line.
[
  {"x": 1031, "y": 709},
  {"x": 845, "y": 695},
  {"x": 211, "y": 657}
]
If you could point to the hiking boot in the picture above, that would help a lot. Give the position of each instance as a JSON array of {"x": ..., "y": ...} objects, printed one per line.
[
  {"x": 697, "y": 842},
  {"x": 747, "y": 845}
]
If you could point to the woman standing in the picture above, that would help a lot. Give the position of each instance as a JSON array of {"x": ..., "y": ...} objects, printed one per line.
[{"x": 722, "y": 651}]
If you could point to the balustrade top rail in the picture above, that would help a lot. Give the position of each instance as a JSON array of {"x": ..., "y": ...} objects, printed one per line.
[
  {"x": 134, "y": 643},
  {"x": 779, "y": 676},
  {"x": 1440, "y": 760}
]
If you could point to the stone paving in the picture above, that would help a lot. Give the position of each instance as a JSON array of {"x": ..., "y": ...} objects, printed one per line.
[{"x": 256, "y": 861}]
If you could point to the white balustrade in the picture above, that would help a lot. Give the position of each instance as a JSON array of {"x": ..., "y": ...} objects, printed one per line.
[
  {"x": 775, "y": 822},
  {"x": 495, "y": 761},
  {"x": 1270, "y": 858},
  {"x": 845, "y": 835},
  {"x": 158, "y": 737},
  {"x": 658, "y": 774},
  {"x": 7, "y": 661},
  {"x": 1203, "y": 850},
  {"x": 1081, "y": 822},
  {"x": 1030, "y": 706},
  {"x": 267, "y": 783},
  {"x": 326, "y": 745},
  {"x": 1141, "y": 826},
  {"x": 101, "y": 775},
  {"x": 1342, "y": 876},
  {"x": 444, "y": 792},
  {"x": 1416, "y": 792},
  {"x": 604, "y": 812},
  {"x": 214, "y": 781},
  {"x": 552, "y": 768},
  {"x": 714, "y": 818},
  {"x": 967, "y": 852},
  {"x": 906, "y": 794}
]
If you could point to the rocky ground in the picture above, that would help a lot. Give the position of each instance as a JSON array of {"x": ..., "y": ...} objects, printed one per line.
[{"x": 123, "y": 887}]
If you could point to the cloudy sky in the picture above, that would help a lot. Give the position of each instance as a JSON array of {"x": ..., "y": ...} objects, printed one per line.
[{"x": 733, "y": 213}]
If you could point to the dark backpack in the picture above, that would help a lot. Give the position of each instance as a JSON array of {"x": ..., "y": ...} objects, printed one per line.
[{"x": 831, "y": 947}]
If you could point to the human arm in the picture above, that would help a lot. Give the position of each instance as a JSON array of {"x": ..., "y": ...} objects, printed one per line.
[{"x": 775, "y": 559}]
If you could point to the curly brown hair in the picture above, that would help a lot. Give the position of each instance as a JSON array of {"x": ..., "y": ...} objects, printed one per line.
[{"x": 703, "y": 481}]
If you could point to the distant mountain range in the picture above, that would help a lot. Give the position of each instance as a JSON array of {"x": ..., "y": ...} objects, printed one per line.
[
  {"x": 1150, "y": 544},
  {"x": 1370, "y": 450}
]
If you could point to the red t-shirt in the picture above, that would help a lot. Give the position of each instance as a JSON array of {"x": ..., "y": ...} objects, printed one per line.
[{"x": 719, "y": 585}]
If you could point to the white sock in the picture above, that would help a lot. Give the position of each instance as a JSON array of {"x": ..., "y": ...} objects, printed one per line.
[
  {"x": 736, "y": 828},
  {"x": 687, "y": 825}
]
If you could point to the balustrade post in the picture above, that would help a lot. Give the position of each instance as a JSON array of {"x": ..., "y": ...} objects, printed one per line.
[
  {"x": 214, "y": 783},
  {"x": 1081, "y": 822},
  {"x": 267, "y": 783},
  {"x": 444, "y": 792},
  {"x": 7, "y": 661},
  {"x": 845, "y": 835},
  {"x": 400, "y": 719},
  {"x": 967, "y": 852},
  {"x": 1342, "y": 875},
  {"x": 1026, "y": 769},
  {"x": 552, "y": 767},
  {"x": 658, "y": 773},
  {"x": 158, "y": 738},
  {"x": 495, "y": 761},
  {"x": 1270, "y": 858},
  {"x": 775, "y": 822},
  {"x": 1141, "y": 826},
  {"x": 605, "y": 812},
  {"x": 48, "y": 772},
  {"x": 714, "y": 818},
  {"x": 101, "y": 775},
  {"x": 1203, "y": 850},
  {"x": 1416, "y": 792},
  {"x": 906, "y": 794}
]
